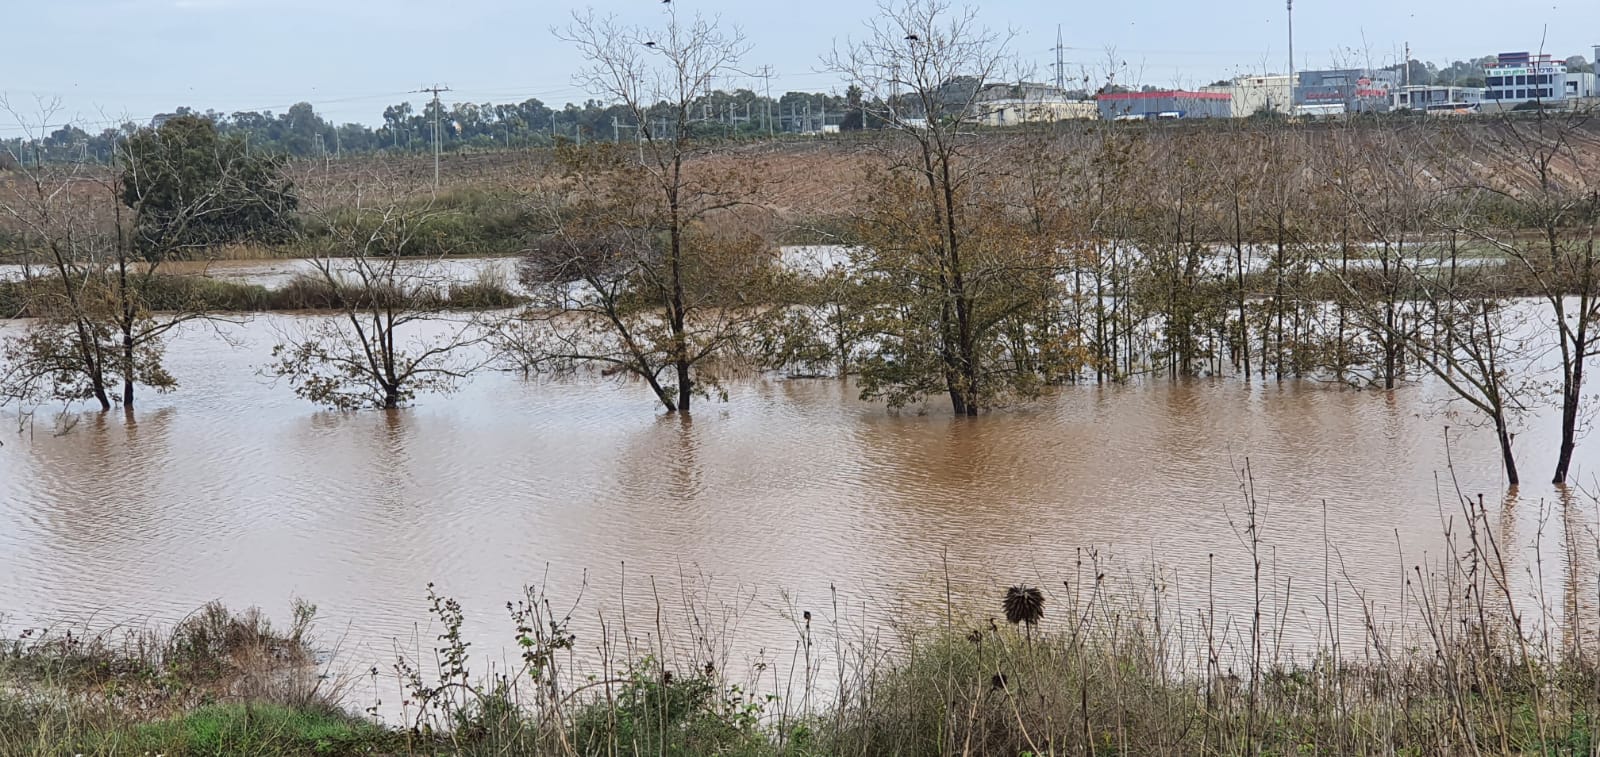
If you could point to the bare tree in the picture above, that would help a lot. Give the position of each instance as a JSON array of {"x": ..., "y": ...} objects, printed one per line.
[
  {"x": 65, "y": 354},
  {"x": 649, "y": 269},
  {"x": 393, "y": 332},
  {"x": 98, "y": 238},
  {"x": 1542, "y": 173},
  {"x": 935, "y": 232}
]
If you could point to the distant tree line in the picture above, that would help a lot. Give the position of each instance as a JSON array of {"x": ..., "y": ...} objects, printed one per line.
[
  {"x": 406, "y": 127},
  {"x": 303, "y": 133}
]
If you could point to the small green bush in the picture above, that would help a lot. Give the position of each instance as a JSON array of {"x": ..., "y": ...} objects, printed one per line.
[{"x": 659, "y": 713}]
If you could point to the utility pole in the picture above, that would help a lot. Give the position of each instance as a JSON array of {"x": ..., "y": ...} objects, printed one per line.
[
  {"x": 638, "y": 135},
  {"x": 1061, "y": 64},
  {"x": 435, "y": 89},
  {"x": 766, "y": 77},
  {"x": 1408, "y": 66}
]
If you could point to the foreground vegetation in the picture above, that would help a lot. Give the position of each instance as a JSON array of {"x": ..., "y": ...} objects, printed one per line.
[
  {"x": 1111, "y": 660},
  {"x": 216, "y": 683}
]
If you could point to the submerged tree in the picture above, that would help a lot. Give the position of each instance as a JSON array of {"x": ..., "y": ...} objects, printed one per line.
[
  {"x": 1548, "y": 182},
  {"x": 97, "y": 243},
  {"x": 67, "y": 352},
  {"x": 962, "y": 284},
  {"x": 393, "y": 333},
  {"x": 651, "y": 270}
]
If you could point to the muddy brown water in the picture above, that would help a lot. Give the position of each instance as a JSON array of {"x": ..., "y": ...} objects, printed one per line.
[{"x": 791, "y": 495}]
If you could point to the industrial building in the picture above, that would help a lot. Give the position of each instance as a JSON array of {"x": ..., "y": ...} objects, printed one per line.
[
  {"x": 1249, "y": 95},
  {"x": 1343, "y": 90},
  {"x": 1011, "y": 112},
  {"x": 1516, "y": 78},
  {"x": 1436, "y": 99},
  {"x": 1005, "y": 104},
  {"x": 1161, "y": 104}
]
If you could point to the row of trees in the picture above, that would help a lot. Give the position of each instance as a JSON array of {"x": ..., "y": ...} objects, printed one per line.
[
  {"x": 302, "y": 132},
  {"x": 982, "y": 268},
  {"x": 91, "y": 250}
]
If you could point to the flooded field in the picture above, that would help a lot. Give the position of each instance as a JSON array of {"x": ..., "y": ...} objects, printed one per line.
[{"x": 233, "y": 489}]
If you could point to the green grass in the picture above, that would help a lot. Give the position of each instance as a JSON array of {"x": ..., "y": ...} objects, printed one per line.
[
  {"x": 460, "y": 222},
  {"x": 215, "y": 729},
  {"x": 263, "y": 729}
]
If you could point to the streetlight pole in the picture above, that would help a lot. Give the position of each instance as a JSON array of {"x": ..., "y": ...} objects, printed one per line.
[{"x": 1290, "y": 7}]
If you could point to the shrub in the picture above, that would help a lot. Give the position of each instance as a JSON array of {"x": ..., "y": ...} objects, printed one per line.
[{"x": 658, "y": 712}]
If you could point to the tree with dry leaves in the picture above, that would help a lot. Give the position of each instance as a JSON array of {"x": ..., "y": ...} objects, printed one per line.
[
  {"x": 653, "y": 256},
  {"x": 967, "y": 283}
]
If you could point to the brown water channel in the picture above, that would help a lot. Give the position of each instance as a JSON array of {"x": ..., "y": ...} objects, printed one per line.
[{"x": 232, "y": 488}]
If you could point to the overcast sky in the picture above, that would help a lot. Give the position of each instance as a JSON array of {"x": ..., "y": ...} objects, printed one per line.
[{"x": 106, "y": 59}]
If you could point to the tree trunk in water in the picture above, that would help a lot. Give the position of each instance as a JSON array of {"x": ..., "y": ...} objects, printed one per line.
[
  {"x": 94, "y": 365},
  {"x": 969, "y": 359},
  {"x": 1244, "y": 318},
  {"x": 127, "y": 370},
  {"x": 1277, "y": 305},
  {"x": 685, "y": 386},
  {"x": 661, "y": 393},
  {"x": 97, "y": 375},
  {"x": 1506, "y": 458},
  {"x": 99, "y": 384},
  {"x": 1570, "y": 396},
  {"x": 958, "y": 401},
  {"x": 1390, "y": 349}
]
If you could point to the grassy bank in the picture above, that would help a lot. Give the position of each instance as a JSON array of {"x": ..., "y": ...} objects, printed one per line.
[
  {"x": 215, "y": 683},
  {"x": 1102, "y": 661}
]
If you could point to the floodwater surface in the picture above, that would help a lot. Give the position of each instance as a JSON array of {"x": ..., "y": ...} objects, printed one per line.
[{"x": 790, "y": 495}]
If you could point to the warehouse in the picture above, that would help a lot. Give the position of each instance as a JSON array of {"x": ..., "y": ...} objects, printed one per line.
[
  {"x": 1345, "y": 90},
  {"x": 1164, "y": 104},
  {"x": 1256, "y": 94}
]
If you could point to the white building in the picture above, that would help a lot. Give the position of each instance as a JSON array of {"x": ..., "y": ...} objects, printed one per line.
[
  {"x": 1011, "y": 112},
  {"x": 1516, "y": 78},
  {"x": 1436, "y": 99},
  {"x": 1253, "y": 94},
  {"x": 1010, "y": 104}
]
